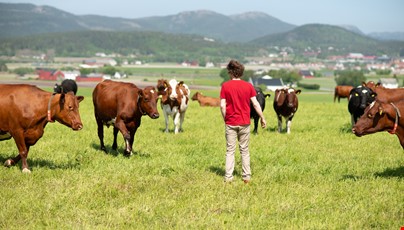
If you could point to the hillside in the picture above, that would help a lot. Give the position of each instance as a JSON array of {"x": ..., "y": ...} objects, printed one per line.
[
  {"x": 28, "y": 19},
  {"x": 329, "y": 38},
  {"x": 147, "y": 46}
]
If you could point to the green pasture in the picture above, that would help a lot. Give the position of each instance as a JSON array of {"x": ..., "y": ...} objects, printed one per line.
[{"x": 319, "y": 177}]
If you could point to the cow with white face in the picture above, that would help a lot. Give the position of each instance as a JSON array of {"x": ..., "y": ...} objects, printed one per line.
[
  {"x": 285, "y": 105},
  {"x": 174, "y": 101}
]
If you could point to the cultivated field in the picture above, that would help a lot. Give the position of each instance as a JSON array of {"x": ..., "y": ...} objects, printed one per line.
[{"x": 319, "y": 177}]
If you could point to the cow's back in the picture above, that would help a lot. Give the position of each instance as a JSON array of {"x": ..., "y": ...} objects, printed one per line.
[
  {"x": 389, "y": 95},
  {"x": 20, "y": 103},
  {"x": 110, "y": 98}
]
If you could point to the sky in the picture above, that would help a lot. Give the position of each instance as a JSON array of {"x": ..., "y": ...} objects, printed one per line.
[{"x": 368, "y": 15}]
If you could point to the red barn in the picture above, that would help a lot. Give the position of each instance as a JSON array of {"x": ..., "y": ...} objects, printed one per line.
[{"x": 49, "y": 74}]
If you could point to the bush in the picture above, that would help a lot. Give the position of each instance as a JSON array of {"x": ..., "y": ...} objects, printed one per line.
[{"x": 309, "y": 86}]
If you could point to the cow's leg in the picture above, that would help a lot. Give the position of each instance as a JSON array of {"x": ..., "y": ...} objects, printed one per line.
[
  {"x": 100, "y": 129},
  {"x": 288, "y": 124},
  {"x": 279, "y": 123},
  {"x": 23, "y": 153},
  {"x": 182, "y": 118},
  {"x": 177, "y": 122},
  {"x": 352, "y": 121},
  {"x": 115, "y": 144},
  {"x": 166, "y": 119},
  {"x": 119, "y": 124},
  {"x": 255, "y": 131},
  {"x": 129, "y": 148}
]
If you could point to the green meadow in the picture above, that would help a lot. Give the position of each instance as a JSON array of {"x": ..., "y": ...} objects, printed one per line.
[{"x": 321, "y": 176}]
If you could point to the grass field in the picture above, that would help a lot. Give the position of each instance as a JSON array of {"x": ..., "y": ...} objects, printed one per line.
[{"x": 319, "y": 177}]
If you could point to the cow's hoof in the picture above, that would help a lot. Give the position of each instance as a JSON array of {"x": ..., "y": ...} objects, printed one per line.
[
  {"x": 9, "y": 163},
  {"x": 104, "y": 149},
  {"x": 26, "y": 170},
  {"x": 127, "y": 154}
]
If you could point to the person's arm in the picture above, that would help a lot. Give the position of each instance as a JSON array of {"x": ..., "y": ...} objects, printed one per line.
[
  {"x": 223, "y": 107},
  {"x": 257, "y": 108}
]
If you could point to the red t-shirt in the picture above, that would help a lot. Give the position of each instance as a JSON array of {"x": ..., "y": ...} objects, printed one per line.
[{"x": 238, "y": 94}]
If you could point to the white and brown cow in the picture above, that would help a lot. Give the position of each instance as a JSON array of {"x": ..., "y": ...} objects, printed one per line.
[
  {"x": 174, "y": 101},
  {"x": 285, "y": 105}
]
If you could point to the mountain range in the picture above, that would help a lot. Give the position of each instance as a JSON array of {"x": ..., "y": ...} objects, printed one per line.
[
  {"x": 193, "y": 35},
  {"x": 28, "y": 19}
]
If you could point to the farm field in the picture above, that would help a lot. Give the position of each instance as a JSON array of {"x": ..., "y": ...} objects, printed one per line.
[{"x": 320, "y": 176}]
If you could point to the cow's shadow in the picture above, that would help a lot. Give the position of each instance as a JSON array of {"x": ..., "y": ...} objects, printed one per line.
[
  {"x": 119, "y": 151},
  {"x": 391, "y": 172},
  {"x": 41, "y": 163},
  {"x": 387, "y": 173}
]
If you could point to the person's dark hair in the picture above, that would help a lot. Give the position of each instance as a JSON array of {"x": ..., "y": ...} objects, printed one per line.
[{"x": 235, "y": 68}]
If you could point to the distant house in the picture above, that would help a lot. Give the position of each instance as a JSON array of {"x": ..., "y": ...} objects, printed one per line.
[
  {"x": 71, "y": 74},
  {"x": 49, "y": 74},
  {"x": 90, "y": 78},
  {"x": 306, "y": 74},
  {"x": 271, "y": 83},
  {"x": 389, "y": 82}
]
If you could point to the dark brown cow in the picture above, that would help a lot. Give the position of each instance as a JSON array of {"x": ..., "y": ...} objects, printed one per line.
[
  {"x": 205, "y": 100},
  {"x": 26, "y": 110},
  {"x": 174, "y": 101},
  {"x": 385, "y": 94},
  {"x": 122, "y": 104},
  {"x": 286, "y": 105},
  {"x": 381, "y": 116},
  {"x": 342, "y": 91}
]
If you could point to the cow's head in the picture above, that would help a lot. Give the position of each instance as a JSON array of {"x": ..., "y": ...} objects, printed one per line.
[
  {"x": 287, "y": 96},
  {"x": 162, "y": 86},
  {"x": 57, "y": 88},
  {"x": 375, "y": 119},
  {"x": 67, "y": 112},
  {"x": 372, "y": 85},
  {"x": 361, "y": 96},
  {"x": 196, "y": 96},
  {"x": 147, "y": 102}
]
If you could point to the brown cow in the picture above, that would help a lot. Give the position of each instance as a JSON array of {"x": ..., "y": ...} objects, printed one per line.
[
  {"x": 286, "y": 105},
  {"x": 381, "y": 116},
  {"x": 385, "y": 94},
  {"x": 342, "y": 91},
  {"x": 26, "y": 110},
  {"x": 174, "y": 101},
  {"x": 205, "y": 100},
  {"x": 123, "y": 105}
]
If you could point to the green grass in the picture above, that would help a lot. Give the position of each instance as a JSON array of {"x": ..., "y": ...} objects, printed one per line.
[{"x": 319, "y": 177}]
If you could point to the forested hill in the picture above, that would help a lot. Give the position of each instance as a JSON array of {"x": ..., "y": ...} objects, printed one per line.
[
  {"x": 156, "y": 46},
  {"x": 329, "y": 39}
]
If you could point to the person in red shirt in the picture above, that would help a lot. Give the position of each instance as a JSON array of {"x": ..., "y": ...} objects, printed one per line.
[{"x": 235, "y": 97}]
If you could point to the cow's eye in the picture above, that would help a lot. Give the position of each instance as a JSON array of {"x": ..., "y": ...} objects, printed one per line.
[
  {"x": 356, "y": 94},
  {"x": 369, "y": 115}
]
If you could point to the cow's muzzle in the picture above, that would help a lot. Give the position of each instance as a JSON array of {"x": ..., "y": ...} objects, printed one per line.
[
  {"x": 77, "y": 127},
  {"x": 154, "y": 116}
]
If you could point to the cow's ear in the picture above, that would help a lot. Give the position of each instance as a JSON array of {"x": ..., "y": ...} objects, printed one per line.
[
  {"x": 181, "y": 83},
  {"x": 378, "y": 84},
  {"x": 298, "y": 91},
  {"x": 363, "y": 84},
  {"x": 80, "y": 98},
  {"x": 141, "y": 94}
]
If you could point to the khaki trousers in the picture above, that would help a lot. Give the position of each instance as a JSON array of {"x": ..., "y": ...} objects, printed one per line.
[{"x": 242, "y": 134}]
